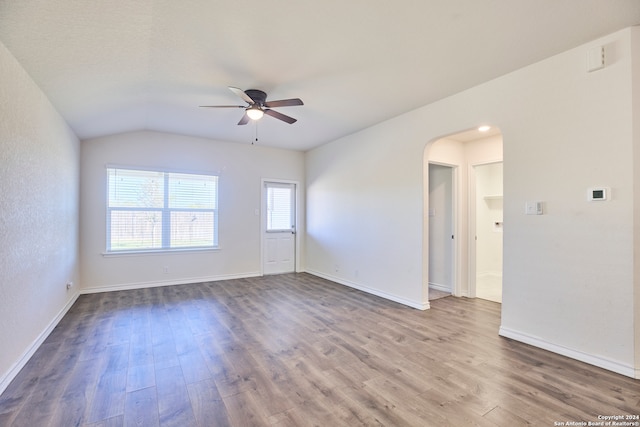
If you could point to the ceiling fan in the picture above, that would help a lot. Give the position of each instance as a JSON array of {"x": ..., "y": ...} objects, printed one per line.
[{"x": 258, "y": 105}]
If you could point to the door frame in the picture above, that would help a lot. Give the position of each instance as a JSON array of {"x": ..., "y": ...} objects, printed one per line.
[
  {"x": 263, "y": 220},
  {"x": 455, "y": 229}
]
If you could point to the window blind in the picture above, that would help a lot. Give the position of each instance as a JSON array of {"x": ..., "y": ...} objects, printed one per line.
[
  {"x": 279, "y": 207},
  {"x": 156, "y": 210}
]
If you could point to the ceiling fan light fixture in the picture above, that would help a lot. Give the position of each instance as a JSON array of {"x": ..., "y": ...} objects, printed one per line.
[
  {"x": 257, "y": 106},
  {"x": 255, "y": 113}
]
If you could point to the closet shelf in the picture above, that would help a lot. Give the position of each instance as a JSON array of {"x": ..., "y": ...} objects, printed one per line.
[{"x": 493, "y": 197}]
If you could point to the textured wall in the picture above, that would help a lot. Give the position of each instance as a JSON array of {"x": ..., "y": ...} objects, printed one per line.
[{"x": 39, "y": 158}]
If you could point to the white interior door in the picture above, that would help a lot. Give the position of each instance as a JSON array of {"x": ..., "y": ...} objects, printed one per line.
[
  {"x": 441, "y": 228},
  {"x": 279, "y": 228}
]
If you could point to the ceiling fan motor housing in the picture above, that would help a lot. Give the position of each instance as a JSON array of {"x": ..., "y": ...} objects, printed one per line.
[{"x": 258, "y": 96}]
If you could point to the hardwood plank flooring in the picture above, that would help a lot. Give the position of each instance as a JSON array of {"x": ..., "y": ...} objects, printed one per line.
[{"x": 297, "y": 350}]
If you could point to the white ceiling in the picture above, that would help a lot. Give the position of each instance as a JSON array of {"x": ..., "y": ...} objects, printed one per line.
[{"x": 112, "y": 66}]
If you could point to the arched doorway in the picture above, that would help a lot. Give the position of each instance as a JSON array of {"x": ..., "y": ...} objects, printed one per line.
[{"x": 460, "y": 152}]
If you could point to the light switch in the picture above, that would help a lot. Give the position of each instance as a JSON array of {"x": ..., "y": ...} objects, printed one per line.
[{"x": 533, "y": 208}]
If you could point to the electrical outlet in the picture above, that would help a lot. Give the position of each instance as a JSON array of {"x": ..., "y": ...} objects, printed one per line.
[
  {"x": 69, "y": 285},
  {"x": 165, "y": 269}
]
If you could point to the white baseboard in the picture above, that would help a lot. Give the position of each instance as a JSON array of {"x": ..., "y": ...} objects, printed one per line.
[
  {"x": 155, "y": 284},
  {"x": 441, "y": 288},
  {"x": 413, "y": 304},
  {"x": 601, "y": 362},
  {"x": 14, "y": 370}
]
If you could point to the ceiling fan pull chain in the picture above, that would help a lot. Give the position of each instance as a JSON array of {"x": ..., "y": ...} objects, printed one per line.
[{"x": 256, "y": 123}]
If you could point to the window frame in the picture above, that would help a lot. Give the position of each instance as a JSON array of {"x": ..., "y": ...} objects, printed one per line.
[
  {"x": 269, "y": 218},
  {"x": 165, "y": 212}
]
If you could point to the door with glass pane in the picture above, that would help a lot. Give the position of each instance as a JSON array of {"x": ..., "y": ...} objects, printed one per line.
[{"x": 279, "y": 227}]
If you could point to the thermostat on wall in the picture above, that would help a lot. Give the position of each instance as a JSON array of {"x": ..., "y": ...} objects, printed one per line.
[{"x": 598, "y": 194}]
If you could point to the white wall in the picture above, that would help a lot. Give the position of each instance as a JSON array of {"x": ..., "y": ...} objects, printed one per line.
[
  {"x": 364, "y": 214},
  {"x": 38, "y": 216},
  {"x": 365, "y": 202},
  {"x": 568, "y": 275},
  {"x": 240, "y": 167}
]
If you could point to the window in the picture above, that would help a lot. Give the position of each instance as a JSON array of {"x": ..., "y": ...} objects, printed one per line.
[
  {"x": 155, "y": 210},
  {"x": 280, "y": 206}
]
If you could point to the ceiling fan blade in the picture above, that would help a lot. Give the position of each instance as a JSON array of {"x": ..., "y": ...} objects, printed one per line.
[
  {"x": 222, "y": 106},
  {"x": 242, "y": 95},
  {"x": 244, "y": 120},
  {"x": 284, "y": 103},
  {"x": 280, "y": 116}
]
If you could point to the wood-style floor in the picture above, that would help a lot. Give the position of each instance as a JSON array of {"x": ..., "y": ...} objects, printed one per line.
[{"x": 296, "y": 350}]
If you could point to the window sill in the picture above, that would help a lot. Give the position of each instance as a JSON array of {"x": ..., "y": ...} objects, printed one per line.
[{"x": 159, "y": 252}]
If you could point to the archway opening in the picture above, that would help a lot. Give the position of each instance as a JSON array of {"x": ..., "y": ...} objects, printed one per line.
[{"x": 458, "y": 155}]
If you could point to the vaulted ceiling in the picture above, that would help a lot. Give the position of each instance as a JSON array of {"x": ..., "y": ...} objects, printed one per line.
[{"x": 112, "y": 66}]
